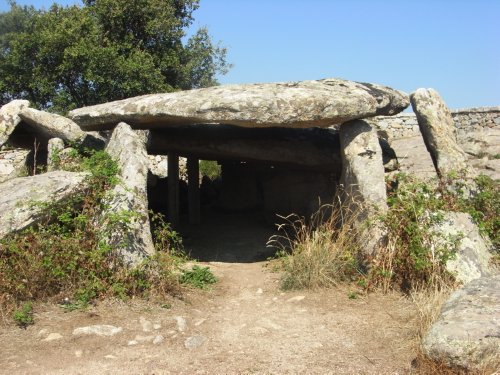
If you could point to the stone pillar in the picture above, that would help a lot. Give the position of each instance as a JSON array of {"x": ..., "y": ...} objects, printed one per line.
[
  {"x": 438, "y": 131},
  {"x": 173, "y": 189},
  {"x": 54, "y": 148},
  {"x": 193, "y": 170},
  {"x": 363, "y": 182}
]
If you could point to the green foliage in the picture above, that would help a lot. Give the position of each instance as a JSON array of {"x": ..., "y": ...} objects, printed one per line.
[
  {"x": 199, "y": 277},
  {"x": 484, "y": 207},
  {"x": 24, "y": 316},
  {"x": 66, "y": 256},
  {"x": 416, "y": 255},
  {"x": 67, "y": 57},
  {"x": 210, "y": 168}
]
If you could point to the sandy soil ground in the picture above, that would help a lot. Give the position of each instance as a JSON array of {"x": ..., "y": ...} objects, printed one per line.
[{"x": 244, "y": 325}]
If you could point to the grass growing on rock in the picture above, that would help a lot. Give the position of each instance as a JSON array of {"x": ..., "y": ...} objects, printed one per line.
[{"x": 65, "y": 257}]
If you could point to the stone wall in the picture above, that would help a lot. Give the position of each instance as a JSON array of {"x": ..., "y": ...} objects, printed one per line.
[{"x": 466, "y": 121}]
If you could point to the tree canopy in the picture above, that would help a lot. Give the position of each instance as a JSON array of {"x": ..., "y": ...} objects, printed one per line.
[{"x": 69, "y": 57}]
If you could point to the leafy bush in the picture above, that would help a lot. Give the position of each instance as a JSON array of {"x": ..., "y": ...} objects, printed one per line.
[
  {"x": 199, "y": 277},
  {"x": 210, "y": 168},
  {"x": 65, "y": 256},
  {"x": 24, "y": 316}
]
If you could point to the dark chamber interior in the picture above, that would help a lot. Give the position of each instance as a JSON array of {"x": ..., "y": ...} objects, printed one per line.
[{"x": 241, "y": 208}]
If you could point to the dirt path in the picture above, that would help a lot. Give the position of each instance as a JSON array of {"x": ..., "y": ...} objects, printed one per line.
[{"x": 244, "y": 325}]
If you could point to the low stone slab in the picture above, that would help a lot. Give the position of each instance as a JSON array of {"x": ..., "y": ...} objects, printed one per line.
[
  {"x": 51, "y": 125},
  {"x": 129, "y": 197},
  {"x": 467, "y": 333},
  {"x": 9, "y": 118},
  {"x": 19, "y": 197},
  {"x": 13, "y": 164},
  {"x": 302, "y": 104},
  {"x": 472, "y": 258}
]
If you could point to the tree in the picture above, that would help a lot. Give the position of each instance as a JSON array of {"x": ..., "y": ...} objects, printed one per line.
[{"x": 68, "y": 57}]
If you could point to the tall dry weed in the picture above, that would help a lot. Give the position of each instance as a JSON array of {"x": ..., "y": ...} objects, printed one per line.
[{"x": 319, "y": 252}]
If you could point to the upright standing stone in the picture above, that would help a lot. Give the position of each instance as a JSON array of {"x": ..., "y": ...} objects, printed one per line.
[
  {"x": 9, "y": 118},
  {"x": 173, "y": 189},
  {"x": 362, "y": 179},
  {"x": 129, "y": 197},
  {"x": 438, "y": 131},
  {"x": 193, "y": 170},
  {"x": 55, "y": 148}
]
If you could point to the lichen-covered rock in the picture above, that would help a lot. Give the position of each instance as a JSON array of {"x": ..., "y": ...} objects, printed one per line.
[
  {"x": 21, "y": 199},
  {"x": 51, "y": 125},
  {"x": 54, "y": 148},
  {"x": 128, "y": 199},
  {"x": 472, "y": 258},
  {"x": 362, "y": 180},
  {"x": 13, "y": 163},
  {"x": 303, "y": 104},
  {"x": 438, "y": 131},
  {"x": 467, "y": 333},
  {"x": 9, "y": 118}
]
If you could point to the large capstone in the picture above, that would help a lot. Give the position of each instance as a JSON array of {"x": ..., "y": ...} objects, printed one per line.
[
  {"x": 131, "y": 238},
  {"x": 303, "y": 104},
  {"x": 9, "y": 118},
  {"x": 466, "y": 335},
  {"x": 438, "y": 131},
  {"x": 23, "y": 200}
]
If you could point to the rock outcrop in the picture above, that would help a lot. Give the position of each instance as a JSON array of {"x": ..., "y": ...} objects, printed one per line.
[
  {"x": 22, "y": 199},
  {"x": 50, "y": 125},
  {"x": 466, "y": 335},
  {"x": 128, "y": 199},
  {"x": 303, "y": 104},
  {"x": 362, "y": 180},
  {"x": 13, "y": 163},
  {"x": 9, "y": 118},
  {"x": 438, "y": 131},
  {"x": 472, "y": 258}
]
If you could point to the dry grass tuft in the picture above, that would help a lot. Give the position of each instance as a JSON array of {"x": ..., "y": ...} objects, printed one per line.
[{"x": 320, "y": 252}]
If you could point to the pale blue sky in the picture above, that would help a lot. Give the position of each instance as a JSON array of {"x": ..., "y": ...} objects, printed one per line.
[{"x": 452, "y": 46}]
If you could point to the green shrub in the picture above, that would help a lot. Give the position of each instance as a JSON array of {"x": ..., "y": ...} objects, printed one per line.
[
  {"x": 65, "y": 256},
  {"x": 210, "y": 168},
  {"x": 199, "y": 277},
  {"x": 24, "y": 316}
]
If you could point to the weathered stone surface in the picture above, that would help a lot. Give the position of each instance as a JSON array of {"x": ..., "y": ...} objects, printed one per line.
[
  {"x": 51, "y": 125},
  {"x": 296, "y": 104},
  {"x": 17, "y": 197},
  {"x": 438, "y": 131},
  {"x": 129, "y": 196},
  {"x": 9, "y": 118},
  {"x": 13, "y": 164},
  {"x": 54, "y": 148},
  {"x": 98, "y": 330},
  {"x": 362, "y": 180},
  {"x": 472, "y": 259},
  {"x": 467, "y": 332}
]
